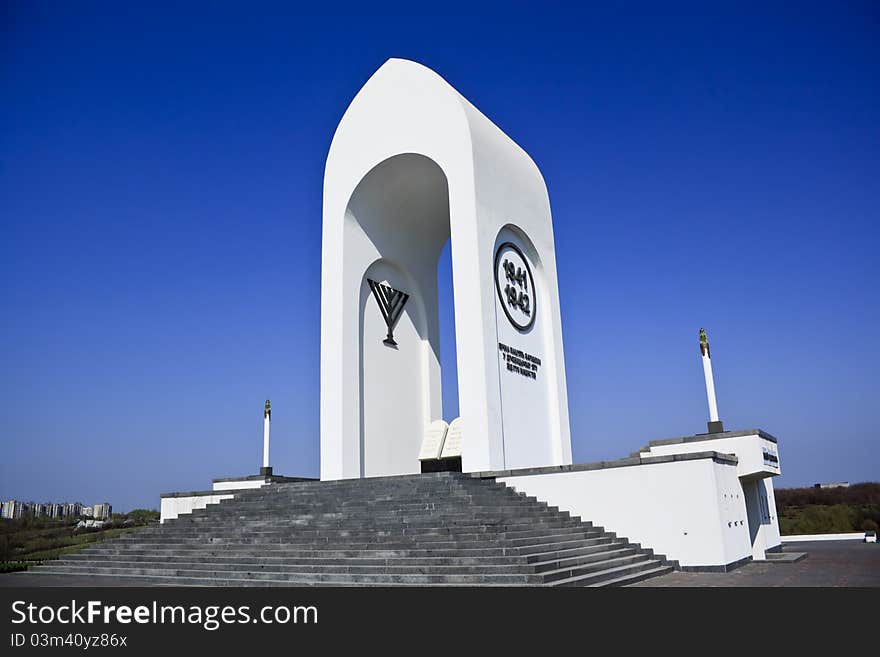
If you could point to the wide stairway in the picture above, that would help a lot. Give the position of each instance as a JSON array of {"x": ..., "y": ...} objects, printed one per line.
[{"x": 444, "y": 529}]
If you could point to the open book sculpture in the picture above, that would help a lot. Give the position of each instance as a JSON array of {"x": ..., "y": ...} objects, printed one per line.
[
  {"x": 452, "y": 444},
  {"x": 432, "y": 444},
  {"x": 441, "y": 447}
]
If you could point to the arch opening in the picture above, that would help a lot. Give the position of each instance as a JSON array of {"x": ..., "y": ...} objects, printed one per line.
[
  {"x": 399, "y": 213},
  {"x": 448, "y": 350}
]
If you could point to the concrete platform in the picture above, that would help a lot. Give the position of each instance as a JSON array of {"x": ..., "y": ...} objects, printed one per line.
[
  {"x": 786, "y": 557},
  {"x": 828, "y": 564},
  {"x": 36, "y": 580}
]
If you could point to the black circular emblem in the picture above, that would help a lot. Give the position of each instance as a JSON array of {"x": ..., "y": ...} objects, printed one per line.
[{"x": 515, "y": 286}]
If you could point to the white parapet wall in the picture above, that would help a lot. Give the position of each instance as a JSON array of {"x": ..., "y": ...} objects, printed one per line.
[
  {"x": 756, "y": 450},
  {"x": 849, "y": 536},
  {"x": 177, "y": 504},
  {"x": 240, "y": 483},
  {"x": 689, "y": 508}
]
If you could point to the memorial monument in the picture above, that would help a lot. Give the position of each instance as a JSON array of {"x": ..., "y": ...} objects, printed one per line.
[{"x": 413, "y": 165}]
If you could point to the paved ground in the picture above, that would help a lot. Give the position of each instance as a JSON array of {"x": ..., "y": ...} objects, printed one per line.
[
  {"x": 33, "y": 580},
  {"x": 829, "y": 563}
]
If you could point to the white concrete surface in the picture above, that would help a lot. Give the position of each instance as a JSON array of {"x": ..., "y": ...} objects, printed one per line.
[
  {"x": 412, "y": 165},
  {"x": 749, "y": 449},
  {"x": 710, "y": 387},
  {"x": 267, "y": 419},
  {"x": 241, "y": 484},
  {"x": 848, "y": 536},
  {"x": 173, "y": 507},
  {"x": 692, "y": 511}
]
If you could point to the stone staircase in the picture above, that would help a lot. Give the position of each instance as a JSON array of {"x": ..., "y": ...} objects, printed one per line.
[{"x": 442, "y": 529}]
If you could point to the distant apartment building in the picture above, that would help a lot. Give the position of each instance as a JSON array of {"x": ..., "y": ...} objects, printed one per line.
[
  {"x": 7, "y": 509},
  {"x": 833, "y": 484},
  {"x": 13, "y": 509}
]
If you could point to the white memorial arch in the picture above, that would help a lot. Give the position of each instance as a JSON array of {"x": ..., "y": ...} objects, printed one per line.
[{"x": 412, "y": 165}]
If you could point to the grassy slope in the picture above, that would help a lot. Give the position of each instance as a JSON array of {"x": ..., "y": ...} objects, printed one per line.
[{"x": 34, "y": 540}]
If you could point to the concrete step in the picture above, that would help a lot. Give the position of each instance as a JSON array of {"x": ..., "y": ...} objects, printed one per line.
[
  {"x": 308, "y": 528},
  {"x": 389, "y": 567},
  {"x": 629, "y": 571},
  {"x": 550, "y": 571},
  {"x": 569, "y": 572},
  {"x": 635, "y": 577},
  {"x": 327, "y": 551},
  {"x": 433, "y": 535},
  {"x": 368, "y": 524},
  {"x": 596, "y": 545},
  {"x": 259, "y": 560},
  {"x": 317, "y": 514},
  {"x": 554, "y": 545},
  {"x": 449, "y": 547},
  {"x": 306, "y": 578},
  {"x": 148, "y": 580},
  {"x": 460, "y": 540},
  {"x": 595, "y": 557}
]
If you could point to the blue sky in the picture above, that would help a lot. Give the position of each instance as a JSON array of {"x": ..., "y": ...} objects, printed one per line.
[{"x": 160, "y": 175}]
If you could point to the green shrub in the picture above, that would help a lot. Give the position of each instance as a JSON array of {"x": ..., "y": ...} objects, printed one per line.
[
  {"x": 828, "y": 510},
  {"x": 869, "y": 525},
  {"x": 12, "y": 566}
]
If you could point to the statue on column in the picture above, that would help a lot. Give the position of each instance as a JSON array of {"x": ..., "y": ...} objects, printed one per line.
[{"x": 704, "y": 344}]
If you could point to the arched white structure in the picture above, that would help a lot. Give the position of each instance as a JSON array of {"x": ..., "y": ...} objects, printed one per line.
[{"x": 411, "y": 165}]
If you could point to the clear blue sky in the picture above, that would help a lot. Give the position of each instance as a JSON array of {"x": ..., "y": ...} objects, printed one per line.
[{"x": 160, "y": 175}]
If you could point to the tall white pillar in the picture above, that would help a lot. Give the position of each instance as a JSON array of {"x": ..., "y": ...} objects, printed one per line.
[
  {"x": 267, "y": 418},
  {"x": 715, "y": 425}
]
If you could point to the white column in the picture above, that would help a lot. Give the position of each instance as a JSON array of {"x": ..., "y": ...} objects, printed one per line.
[
  {"x": 710, "y": 387},
  {"x": 267, "y": 417}
]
